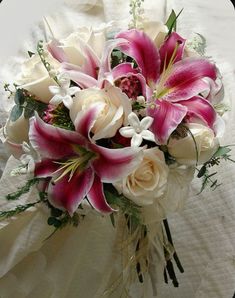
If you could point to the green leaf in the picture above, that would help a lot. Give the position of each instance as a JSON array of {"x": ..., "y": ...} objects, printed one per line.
[
  {"x": 112, "y": 219},
  {"x": 31, "y": 54},
  {"x": 202, "y": 171},
  {"x": 28, "y": 111},
  {"x": 19, "y": 97},
  {"x": 16, "y": 112},
  {"x": 171, "y": 22},
  {"x": 222, "y": 151}
]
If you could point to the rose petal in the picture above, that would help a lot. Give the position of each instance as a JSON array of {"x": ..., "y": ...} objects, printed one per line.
[{"x": 97, "y": 198}]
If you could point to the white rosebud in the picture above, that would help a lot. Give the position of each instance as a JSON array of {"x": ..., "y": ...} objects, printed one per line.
[{"x": 184, "y": 150}]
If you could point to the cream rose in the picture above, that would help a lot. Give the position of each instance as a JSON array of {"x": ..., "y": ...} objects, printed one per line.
[
  {"x": 114, "y": 108},
  {"x": 184, "y": 149},
  {"x": 35, "y": 78},
  {"x": 148, "y": 182}
]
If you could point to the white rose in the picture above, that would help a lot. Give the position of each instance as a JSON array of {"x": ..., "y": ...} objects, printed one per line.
[
  {"x": 73, "y": 45},
  {"x": 184, "y": 149},
  {"x": 35, "y": 78},
  {"x": 114, "y": 108},
  {"x": 148, "y": 182},
  {"x": 176, "y": 193}
]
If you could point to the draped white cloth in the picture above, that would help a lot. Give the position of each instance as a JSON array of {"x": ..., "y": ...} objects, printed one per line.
[{"x": 74, "y": 263}]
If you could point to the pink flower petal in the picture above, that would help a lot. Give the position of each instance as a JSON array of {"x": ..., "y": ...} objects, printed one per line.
[
  {"x": 67, "y": 194},
  {"x": 105, "y": 66},
  {"x": 201, "y": 108},
  {"x": 55, "y": 49},
  {"x": 92, "y": 62},
  {"x": 97, "y": 198},
  {"x": 114, "y": 164},
  {"x": 45, "y": 168},
  {"x": 122, "y": 70},
  {"x": 167, "y": 116},
  {"x": 185, "y": 80},
  {"x": 53, "y": 142},
  {"x": 125, "y": 70},
  {"x": 174, "y": 43},
  {"x": 85, "y": 119},
  {"x": 80, "y": 78},
  {"x": 142, "y": 49}
]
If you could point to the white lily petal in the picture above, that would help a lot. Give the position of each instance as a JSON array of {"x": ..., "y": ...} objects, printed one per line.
[
  {"x": 68, "y": 101},
  {"x": 136, "y": 140},
  {"x": 148, "y": 135},
  {"x": 54, "y": 89},
  {"x": 146, "y": 122},
  {"x": 56, "y": 100},
  {"x": 134, "y": 120},
  {"x": 127, "y": 132},
  {"x": 73, "y": 90}
]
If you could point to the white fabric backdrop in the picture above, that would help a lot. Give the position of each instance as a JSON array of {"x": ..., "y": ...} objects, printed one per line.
[{"x": 204, "y": 232}]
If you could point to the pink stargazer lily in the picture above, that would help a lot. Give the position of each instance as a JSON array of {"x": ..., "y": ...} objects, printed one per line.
[
  {"x": 75, "y": 167},
  {"x": 176, "y": 83}
]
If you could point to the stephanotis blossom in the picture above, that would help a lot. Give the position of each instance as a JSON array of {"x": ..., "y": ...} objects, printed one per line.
[
  {"x": 63, "y": 92},
  {"x": 138, "y": 130},
  {"x": 175, "y": 83},
  {"x": 76, "y": 167}
]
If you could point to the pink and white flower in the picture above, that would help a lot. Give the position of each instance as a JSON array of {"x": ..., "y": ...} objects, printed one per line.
[
  {"x": 76, "y": 167},
  {"x": 176, "y": 83}
]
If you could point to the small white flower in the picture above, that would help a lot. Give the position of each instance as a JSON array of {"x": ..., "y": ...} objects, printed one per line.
[
  {"x": 138, "y": 130},
  {"x": 63, "y": 93}
]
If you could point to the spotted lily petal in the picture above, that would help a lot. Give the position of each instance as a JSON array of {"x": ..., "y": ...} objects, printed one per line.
[
  {"x": 141, "y": 48},
  {"x": 167, "y": 116},
  {"x": 97, "y": 198},
  {"x": 185, "y": 78},
  {"x": 200, "y": 108},
  {"x": 172, "y": 48},
  {"x": 53, "y": 142},
  {"x": 113, "y": 164},
  {"x": 67, "y": 194},
  {"x": 55, "y": 49}
]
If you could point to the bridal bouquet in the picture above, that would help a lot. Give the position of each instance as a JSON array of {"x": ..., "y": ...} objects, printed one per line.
[{"x": 117, "y": 122}]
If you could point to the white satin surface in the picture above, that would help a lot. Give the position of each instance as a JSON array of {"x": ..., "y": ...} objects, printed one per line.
[{"x": 74, "y": 263}]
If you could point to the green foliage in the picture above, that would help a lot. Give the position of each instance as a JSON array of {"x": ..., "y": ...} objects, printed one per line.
[
  {"x": 208, "y": 178},
  {"x": 172, "y": 21},
  {"x": 19, "y": 209},
  {"x": 26, "y": 103},
  {"x": 22, "y": 190},
  {"x": 128, "y": 208}
]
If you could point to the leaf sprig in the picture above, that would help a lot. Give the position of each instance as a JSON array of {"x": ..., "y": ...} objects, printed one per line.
[{"x": 221, "y": 154}]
